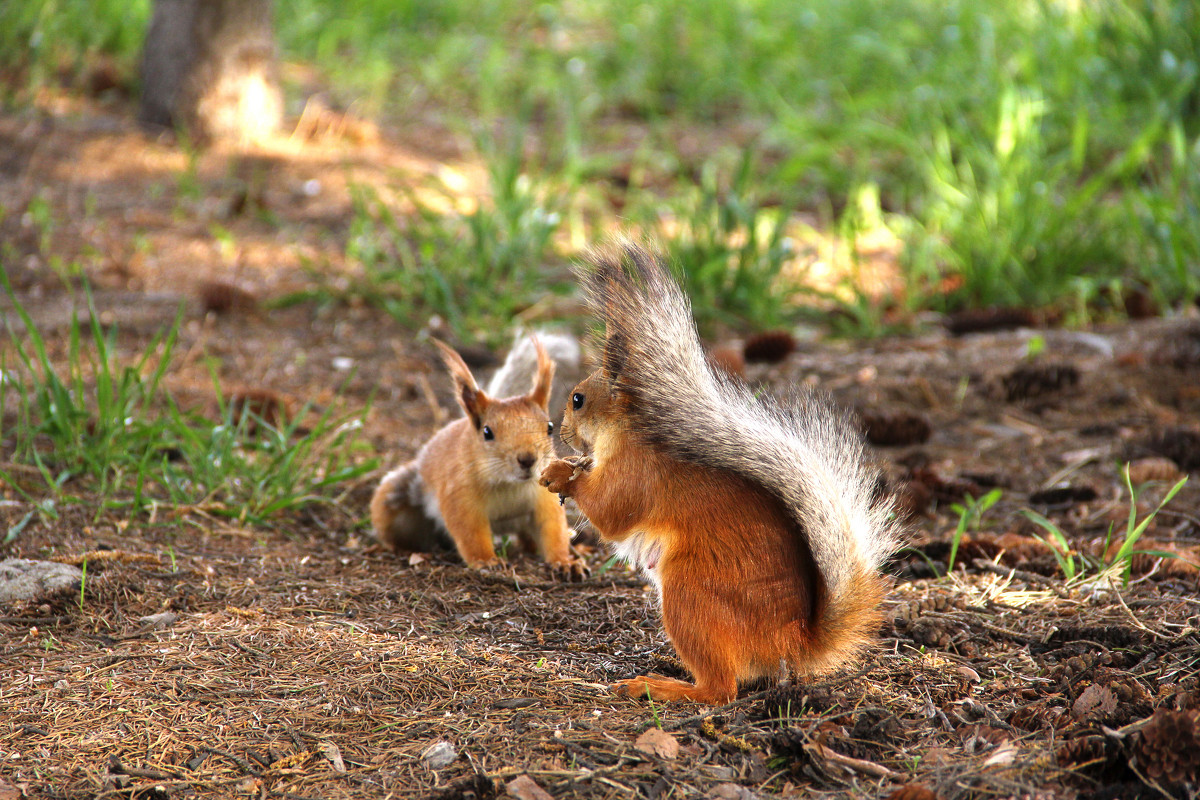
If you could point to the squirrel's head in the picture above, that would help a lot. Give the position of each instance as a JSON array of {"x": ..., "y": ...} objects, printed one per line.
[
  {"x": 593, "y": 416},
  {"x": 512, "y": 435}
]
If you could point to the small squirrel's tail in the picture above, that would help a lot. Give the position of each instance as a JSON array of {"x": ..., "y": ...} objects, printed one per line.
[
  {"x": 802, "y": 449},
  {"x": 520, "y": 367}
]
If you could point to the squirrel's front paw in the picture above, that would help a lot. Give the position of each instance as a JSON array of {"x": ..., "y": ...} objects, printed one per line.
[{"x": 557, "y": 477}]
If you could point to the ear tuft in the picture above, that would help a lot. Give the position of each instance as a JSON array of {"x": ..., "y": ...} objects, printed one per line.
[
  {"x": 540, "y": 393},
  {"x": 615, "y": 353},
  {"x": 470, "y": 396}
]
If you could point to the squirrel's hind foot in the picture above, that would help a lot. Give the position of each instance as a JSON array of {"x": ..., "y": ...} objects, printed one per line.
[{"x": 661, "y": 688}]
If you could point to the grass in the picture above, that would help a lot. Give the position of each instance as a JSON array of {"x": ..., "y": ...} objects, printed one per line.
[
  {"x": 1076, "y": 567},
  {"x": 1025, "y": 152},
  {"x": 94, "y": 419},
  {"x": 92, "y": 425},
  {"x": 731, "y": 249},
  {"x": 435, "y": 261},
  {"x": 970, "y": 515}
]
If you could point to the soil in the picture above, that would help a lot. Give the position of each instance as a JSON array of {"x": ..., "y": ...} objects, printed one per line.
[{"x": 302, "y": 660}]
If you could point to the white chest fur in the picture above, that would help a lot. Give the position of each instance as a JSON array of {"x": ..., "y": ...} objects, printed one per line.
[{"x": 643, "y": 552}]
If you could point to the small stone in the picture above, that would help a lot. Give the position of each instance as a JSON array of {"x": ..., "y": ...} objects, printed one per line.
[
  {"x": 25, "y": 581},
  {"x": 732, "y": 791},
  {"x": 968, "y": 674},
  {"x": 439, "y": 755}
]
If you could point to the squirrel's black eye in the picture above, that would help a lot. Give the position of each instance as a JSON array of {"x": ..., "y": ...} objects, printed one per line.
[
  {"x": 577, "y": 401},
  {"x": 488, "y": 433},
  {"x": 549, "y": 428}
]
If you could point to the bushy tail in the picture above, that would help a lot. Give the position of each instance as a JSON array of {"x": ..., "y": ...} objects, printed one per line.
[
  {"x": 520, "y": 367},
  {"x": 802, "y": 449}
]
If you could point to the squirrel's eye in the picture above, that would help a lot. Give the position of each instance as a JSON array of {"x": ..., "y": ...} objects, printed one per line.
[
  {"x": 488, "y": 433},
  {"x": 549, "y": 428},
  {"x": 577, "y": 401}
]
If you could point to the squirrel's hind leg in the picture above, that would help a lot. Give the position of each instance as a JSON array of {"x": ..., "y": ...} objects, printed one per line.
[
  {"x": 706, "y": 634},
  {"x": 397, "y": 516}
]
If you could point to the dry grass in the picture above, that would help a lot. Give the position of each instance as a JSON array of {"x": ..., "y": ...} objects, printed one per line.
[{"x": 309, "y": 668}]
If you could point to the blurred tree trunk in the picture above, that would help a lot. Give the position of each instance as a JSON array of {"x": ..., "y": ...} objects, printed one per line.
[{"x": 208, "y": 67}]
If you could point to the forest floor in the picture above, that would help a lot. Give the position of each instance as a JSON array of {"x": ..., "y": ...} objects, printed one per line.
[{"x": 302, "y": 660}]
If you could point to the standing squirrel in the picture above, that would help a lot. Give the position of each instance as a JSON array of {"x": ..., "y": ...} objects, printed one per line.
[
  {"x": 755, "y": 519},
  {"x": 479, "y": 469}
]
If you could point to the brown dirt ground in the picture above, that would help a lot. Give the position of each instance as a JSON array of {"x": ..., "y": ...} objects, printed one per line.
[{"x": 305, "y": 662}]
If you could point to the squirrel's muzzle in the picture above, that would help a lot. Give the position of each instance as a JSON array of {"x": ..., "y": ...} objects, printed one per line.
[{"x": 526, "y": 461}]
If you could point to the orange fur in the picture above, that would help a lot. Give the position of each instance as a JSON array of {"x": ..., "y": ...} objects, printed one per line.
[
  {"x": 741, "y": 595},
  {"x": 756, "y": 518},
  {"x": 476, "y": 470}
]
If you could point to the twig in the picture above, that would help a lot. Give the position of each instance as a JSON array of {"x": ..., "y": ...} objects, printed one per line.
[
  {"x": 241, "y": 762},
  {"x": 853, "y": 764},
  {"x": 116, "y": 767}
]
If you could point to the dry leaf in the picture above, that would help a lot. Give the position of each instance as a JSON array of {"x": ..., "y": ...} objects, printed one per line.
[
  {"x": 524, "y": 787},
  {"x": 331, "y": 752},
  {"x": 913, "y": 791},
  {"x": 249, "y": 786},
  {"x": 657, "y": 742},
  {"x": 1005, "y": 754},
  {"x": 1095, "y": 703}
]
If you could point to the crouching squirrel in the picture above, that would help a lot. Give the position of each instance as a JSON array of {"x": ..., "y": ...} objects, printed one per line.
[
  {"x": 478, "y": 469},
  {"x": 756, "y": 520}
]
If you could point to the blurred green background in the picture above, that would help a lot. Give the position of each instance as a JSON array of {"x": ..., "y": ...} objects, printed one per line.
[{"x": 883, "y": 156}]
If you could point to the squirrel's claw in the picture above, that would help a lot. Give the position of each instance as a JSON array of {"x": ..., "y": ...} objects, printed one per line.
[
  {"x": 637, "y": 688},
  {"x": 571, "y": 571}
]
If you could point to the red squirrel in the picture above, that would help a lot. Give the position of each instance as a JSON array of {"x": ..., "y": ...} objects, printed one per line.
[
  {"x": 756, "y": 519},
  {"x": 478, "y": 469}
]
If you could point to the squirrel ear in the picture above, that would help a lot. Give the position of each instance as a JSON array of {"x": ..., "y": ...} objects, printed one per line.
[
  {"x": 614, "y": 356},
  {"x": 470, "y": 396},
  {"x": 540, "y": 393}
]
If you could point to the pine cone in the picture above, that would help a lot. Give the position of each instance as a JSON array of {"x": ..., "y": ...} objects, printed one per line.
[
  {"x": 1082, "y": 750},
  {"x": 1169, "y": 747},
  {"x": 770, "y": 346}
]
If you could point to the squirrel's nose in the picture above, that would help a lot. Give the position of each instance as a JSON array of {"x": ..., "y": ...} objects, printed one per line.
[{"x": 527, "y": 460}]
